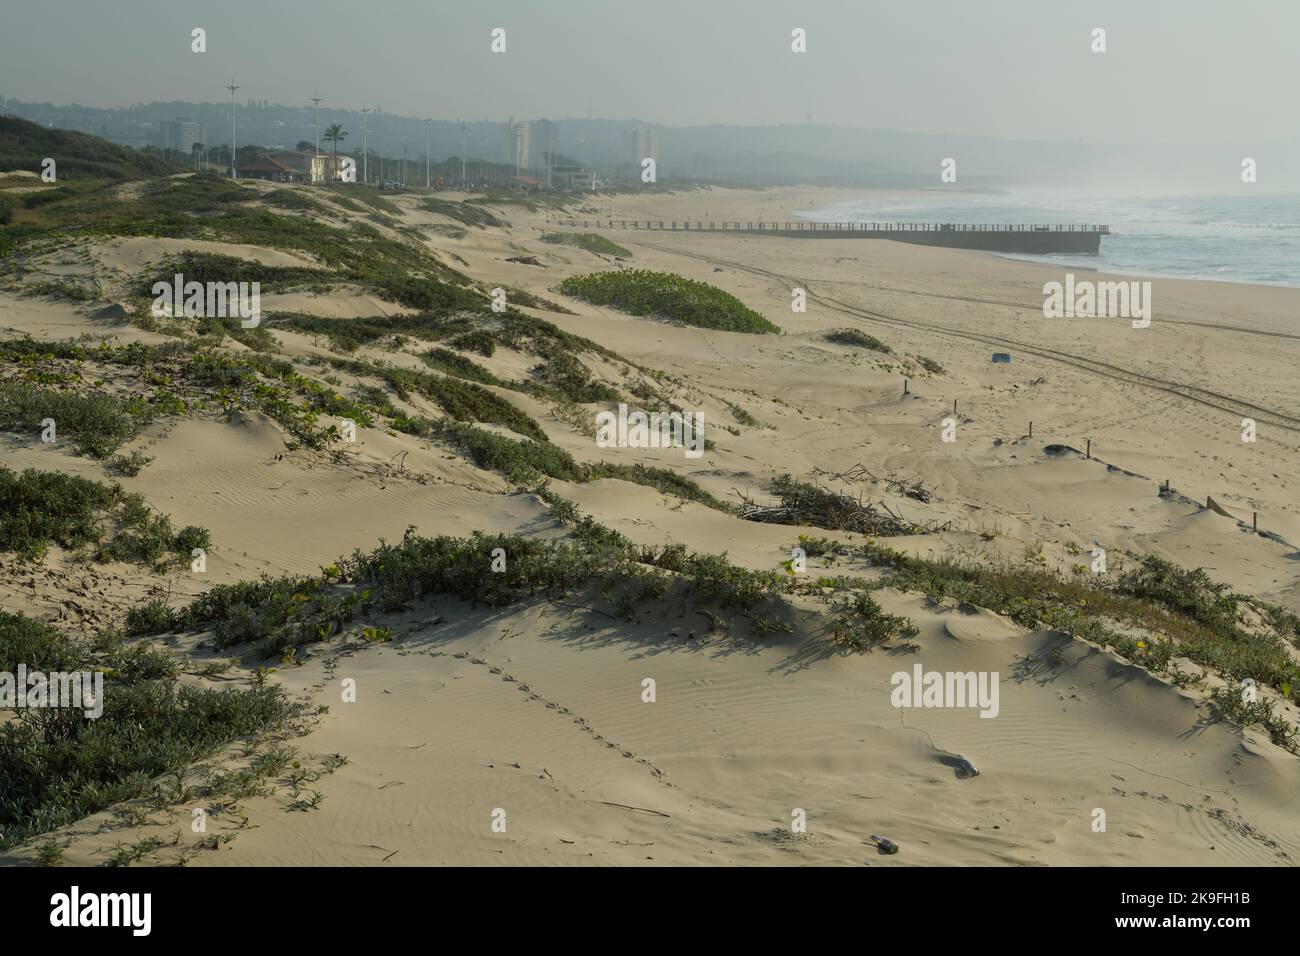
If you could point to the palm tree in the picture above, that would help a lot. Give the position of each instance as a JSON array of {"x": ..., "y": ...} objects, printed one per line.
[
  {"x": 196, "y": 151},
  {"x": 335, "y": 134}
]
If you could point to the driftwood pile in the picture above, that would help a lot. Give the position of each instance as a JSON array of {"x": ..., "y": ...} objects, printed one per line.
[
  {"x": 906, "y": 487},
  {"x": 805, "y": 503}
]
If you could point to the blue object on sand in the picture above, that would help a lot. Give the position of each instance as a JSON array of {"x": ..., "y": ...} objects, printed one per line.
[{"x": 1002, "y": 356}]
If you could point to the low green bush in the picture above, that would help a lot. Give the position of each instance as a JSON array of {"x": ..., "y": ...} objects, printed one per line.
[
  {"x": 97, "y": 423},
  {"x": 40, "y": 509},
  {"x": 57, "y": 767},
  {"x": 591, "y": 241},
  {"x": 857, "y": 339},
  {"x": 667, "y": 296}
]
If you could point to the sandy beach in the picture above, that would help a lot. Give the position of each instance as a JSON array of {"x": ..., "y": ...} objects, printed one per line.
[{"x": 536, "y": 714}]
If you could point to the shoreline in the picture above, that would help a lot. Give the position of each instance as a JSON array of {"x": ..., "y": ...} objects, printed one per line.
[{"x": 826, "y": 212}]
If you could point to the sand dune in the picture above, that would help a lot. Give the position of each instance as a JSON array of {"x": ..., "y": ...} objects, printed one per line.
[
  {"x": 537, "y": 709},
  {"x": 539, "y": 713}
]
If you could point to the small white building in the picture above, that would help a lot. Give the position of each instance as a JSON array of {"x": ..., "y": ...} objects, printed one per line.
[{"x": 307, "y": 167}]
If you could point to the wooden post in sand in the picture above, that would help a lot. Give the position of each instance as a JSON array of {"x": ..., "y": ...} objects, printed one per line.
[
  {"x": 954, "y": 406},
  {"x": 904, "y": 386},
  {"x": 1031, "y": 429},
  {"x": 1254, "y": 521},
  {"x": 1090, "y": 449}
]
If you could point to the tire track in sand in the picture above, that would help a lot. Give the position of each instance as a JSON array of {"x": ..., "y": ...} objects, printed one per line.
[{"x": 1226, "y": 403}]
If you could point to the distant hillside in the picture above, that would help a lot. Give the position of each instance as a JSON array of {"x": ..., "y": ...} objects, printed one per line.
[
  {"x": 23, "y": 145},
  {"x": 738, "y": 155}
]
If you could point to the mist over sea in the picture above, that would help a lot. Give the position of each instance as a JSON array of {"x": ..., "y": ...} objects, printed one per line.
[{"x": 1248, "y": 236}]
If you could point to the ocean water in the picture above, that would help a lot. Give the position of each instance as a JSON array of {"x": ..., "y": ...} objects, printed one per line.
[{"x": 1243, "y": 237}]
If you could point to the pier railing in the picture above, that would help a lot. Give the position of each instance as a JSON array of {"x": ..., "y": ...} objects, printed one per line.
[{"x": 695, "y": 225}]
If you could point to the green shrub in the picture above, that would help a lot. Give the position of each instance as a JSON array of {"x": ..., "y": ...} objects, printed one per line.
[
  {"x": 130, "y": 465},
  {"x": 591, "y": 241},
  {"x": 39, "y": 646},
  {"x": 286, "y": 612},
  {"x": 99, "y": 424},
  {"x": 741, "y": 415},
  {"x": 1190, "y": 592},
  {"x": 259, "y": 339},
  {"x": 733, "y": 587},
  {"x": 1196, "y": 626},
  {"x": 857, "y": 339},
  {"x": 61, "y": 290},
  {"x": 667, "y": 296},
  {"x": 444, "y": 360},
  {"x": 516, "y": 296},
  {"x": 151, "y": 617},
  {"x": 23, "y": 144},
  {"x": 191, "y": 537},
  {"x": 525, "y": 462},
  {"x": 370, "y": 196},
  {"x": 463, "y": 401},
  {"x": 573, "y": 380},
  {"x": 519, "y": 461},
  {"x": 477, "y": 341},
  {"x": 350, "y": 334},
  {"x": 430, "y": 295},
  {"x": 43, "y": 508},
  {"x": 467, "y": 213},
  {"x": 292, "y": 199},
  {"x": 208, "y": 267},
  {"x": 57, "y": 767},
  {"x": 817, "y": 547},
  {"x": 661, "y": 479},
  {"x": 861, "y": 623},
  {"x": 374, "y": 397}
]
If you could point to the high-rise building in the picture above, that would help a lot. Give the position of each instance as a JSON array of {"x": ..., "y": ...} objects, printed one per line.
[
  {"x": 515, "y": 152},
  {"x": 640, "y": 143},
  {"x": 545, "y": 144},
  {"x": 181, "y": 135}
]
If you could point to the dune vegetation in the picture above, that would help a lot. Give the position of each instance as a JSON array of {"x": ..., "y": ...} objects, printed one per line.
[
  {"x": 39, "y": 509},
  {"x": 57, "y": 767},
  {"x": 661, "y": 295},
  {"x": 468, "y": 418},
  {"x": 590, "y": 241}
]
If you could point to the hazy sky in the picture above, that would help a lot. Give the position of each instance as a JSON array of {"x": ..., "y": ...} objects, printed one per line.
[{"x": 1203, "y": 71}]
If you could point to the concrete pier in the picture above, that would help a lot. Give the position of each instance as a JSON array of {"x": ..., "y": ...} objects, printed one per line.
[{"x": 1032, "y": 239}]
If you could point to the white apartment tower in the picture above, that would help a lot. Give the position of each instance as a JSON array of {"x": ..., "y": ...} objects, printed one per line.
[
  {"x": 516, "y": 145},
  {"x": 640, "y": 143},
  {"x": 181, "y": 135},
  {"x": 545, "y": 142}
]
